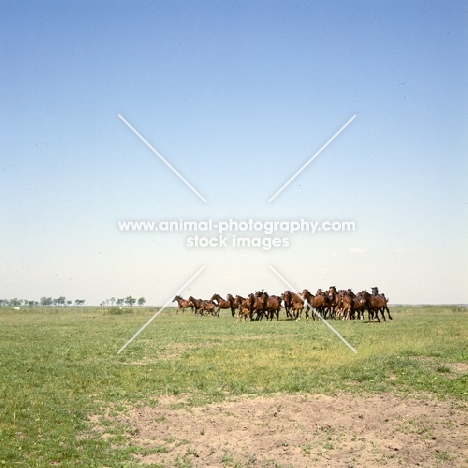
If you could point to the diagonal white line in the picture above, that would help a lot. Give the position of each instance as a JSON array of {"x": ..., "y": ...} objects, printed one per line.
[
  {"x": 160, "y": 310},
  {"x": 316, "y": 313},
  {"x": 312, "y": 158},
  {"x": 161, "y": 158}
]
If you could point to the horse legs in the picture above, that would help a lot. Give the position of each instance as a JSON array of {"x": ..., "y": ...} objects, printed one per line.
[
  {"x": 382, "y": 312},
  {"x": 388, "y": 312},
  {"x": 376, "y": 314}
]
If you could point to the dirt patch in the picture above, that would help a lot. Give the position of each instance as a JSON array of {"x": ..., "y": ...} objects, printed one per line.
[
  {"x": 451, "y": 370},
  {"x": 299, "y": 431}
]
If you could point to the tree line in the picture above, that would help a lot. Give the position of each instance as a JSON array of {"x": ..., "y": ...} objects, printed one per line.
[
  {"x": 62, "y": 301},
  {"x": 129, "y": 301}
]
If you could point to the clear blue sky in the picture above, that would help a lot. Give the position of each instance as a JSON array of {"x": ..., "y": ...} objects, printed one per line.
[{"x": 237, "y": 96}]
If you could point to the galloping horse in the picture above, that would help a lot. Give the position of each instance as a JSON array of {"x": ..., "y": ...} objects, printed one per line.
[
  {"x": 315, "y": 302},
  {"x": 271, "y": 305},
  {"x": 256, "y": 305},
  {"x": 296, "y": 303},
  {"x": 376, "y": 303},
  {"x": 183, "y": 303},
  {"x": 197, "y": 304},
  {"x": 224, "y": 304}
]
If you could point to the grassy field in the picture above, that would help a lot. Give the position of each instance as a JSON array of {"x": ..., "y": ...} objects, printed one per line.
[{"x": 59, "y": 366}]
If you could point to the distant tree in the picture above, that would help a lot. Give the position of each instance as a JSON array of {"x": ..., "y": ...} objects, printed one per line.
[
  {"x": 45, "y": 301},
  {"x": 15, "y": 302},
  {"x": 130, "y": 300},
  {"x": 69, "y": 303},
  {"x": 141, "y": 301},
  {"x": 3, "y": 302},
  {"x": 61, "y": 301},
  {"x": 112, "y": 300},
  {"x": 79, "y": 302},
  {"x": 103, "y": 303},
  {"x": 120, "y": 301}
]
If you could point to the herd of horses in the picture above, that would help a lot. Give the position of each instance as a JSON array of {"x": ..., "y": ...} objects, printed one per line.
[{"x": 329, "y": 304}]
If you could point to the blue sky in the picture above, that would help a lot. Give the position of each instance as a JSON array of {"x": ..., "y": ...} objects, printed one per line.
[{"x": 237, "y": 96}]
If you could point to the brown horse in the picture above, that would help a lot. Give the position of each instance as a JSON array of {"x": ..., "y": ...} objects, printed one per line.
[
  {"x": 182, "y": 303},
  {"x": 297, "y": 304},
  {"x": 199, "y": 305},
  {"x": 375, "y": 304},
  {"x": 287, "y": 304},
  {"x": 384, "y": 302},
  {"x": 224, "y": 304},
  {"x": 343, "y": 306},
  {"x": 244, "y": 312},
  {"x": 210, "y": 308},
  {"x": 314, "y": 302},
  {"x": 272, "y": 305},
  {"x": 358, "y": 305},
  {"x": 256, "y": 305},
  {"x": 240, "y": 302},
  {"x": 332, "y": 297}
]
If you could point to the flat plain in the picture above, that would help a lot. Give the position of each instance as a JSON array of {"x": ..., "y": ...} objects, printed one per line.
[{"x": 206, "y": 391}]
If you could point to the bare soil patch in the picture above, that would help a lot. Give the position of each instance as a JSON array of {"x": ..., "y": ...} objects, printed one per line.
[{"x": 299, "y": 431}]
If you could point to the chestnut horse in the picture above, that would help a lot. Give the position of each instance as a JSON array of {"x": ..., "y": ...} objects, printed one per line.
[
  {"x": 224, "y": 304},
  {"x": 376, "y": 303},
  {"x": 287, "y": 304},
  {"x": 343, "y": 306},
  {"x": 271, "y": 305},
  {"x": 296, "y": 303},
  {"x": 199, "y": 304},
  {"x": 317, "y": 302},
  {"x": 256, "y": 305},
  {"x": 240, "y": 302},
  {"x": 183, "y": 303}
]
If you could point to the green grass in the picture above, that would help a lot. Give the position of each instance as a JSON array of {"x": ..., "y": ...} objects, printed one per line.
[{"x": 57, "y": 367}]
